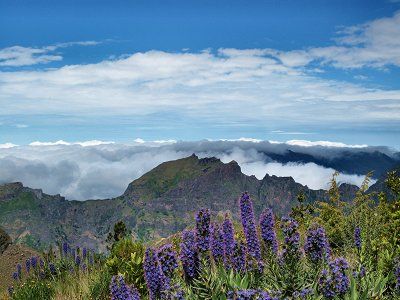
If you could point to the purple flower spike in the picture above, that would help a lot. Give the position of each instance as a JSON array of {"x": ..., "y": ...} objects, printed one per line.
[
  {"x": 357, "y": 237},
  {"x": 217, "y": 243},
  {"x": 156, "y": 281},
  {"x": 120, "y": 291},
  {"x": 65, "y": 248},
  {"x": 78, "y": 260},
  {"x": 28, "y": 265},
  {"x": 335, "y": 283},
  {"x": 189, "y": 255},
  {"x": 239, "y": 257},
  {"x": 291, "y": 251},
  {"x": 268, "y": 234},
  {"x": 203, "y": 229},
  {"x": 34, "y": 262},
  {"x": 316, "y": 246},
  {"x": 229, "y": 241},
  {"x": 19, "y": 271},
  {"x": 397, "y": 274},
  {"x": 167, "y": 258},
  {"x": 249, "y": 226}
]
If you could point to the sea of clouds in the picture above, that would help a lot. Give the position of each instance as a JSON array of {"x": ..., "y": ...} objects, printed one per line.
[{"x": 96, "y": 169}]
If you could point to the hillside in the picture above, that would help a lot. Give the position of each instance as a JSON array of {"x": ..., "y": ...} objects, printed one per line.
[{"x": 157, "y": 204}]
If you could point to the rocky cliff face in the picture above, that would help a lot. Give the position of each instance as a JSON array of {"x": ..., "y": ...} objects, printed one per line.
[{"x": 157, "y": 204}]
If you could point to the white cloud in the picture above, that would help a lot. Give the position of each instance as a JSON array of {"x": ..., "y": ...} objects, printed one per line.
[
  {"x": 61, "y": 142},
  {"x": 105, "y": 169},
  {"x": 18, "y": 56},
  {"x": 304, "y": 143},
  {"x": 7, "y": 145},
  {"x": 373, "y": 44},
  {"x": 219, "y": 88}
]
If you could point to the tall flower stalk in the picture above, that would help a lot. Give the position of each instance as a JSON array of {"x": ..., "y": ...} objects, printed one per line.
[
  {"x": 249, "y": 227},
  {"x": 316, "y": 246},
  {"x": 229, "y": 241},
  {"x": 217, "y": 243},
  {"x": 155, "y": 278},
  {"x": 268, "y": 234},
  {"x": 189, "y": 255},
  {"x": 203, "y": 219}
]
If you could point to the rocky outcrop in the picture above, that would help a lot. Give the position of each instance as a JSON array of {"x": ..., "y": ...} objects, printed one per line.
[{"x": 5, "y": 240}]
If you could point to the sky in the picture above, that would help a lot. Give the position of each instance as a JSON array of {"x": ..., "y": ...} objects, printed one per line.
[{"x": 190, "y": 70}]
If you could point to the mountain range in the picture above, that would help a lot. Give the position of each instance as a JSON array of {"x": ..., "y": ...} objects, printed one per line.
[{"x": 159, "y": 203}]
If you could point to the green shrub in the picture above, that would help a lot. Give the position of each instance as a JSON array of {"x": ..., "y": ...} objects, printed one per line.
[{"x": 34, "y": 290}]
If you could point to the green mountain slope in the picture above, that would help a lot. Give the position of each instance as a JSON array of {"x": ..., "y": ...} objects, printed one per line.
[{"x": 157, "y": 204}]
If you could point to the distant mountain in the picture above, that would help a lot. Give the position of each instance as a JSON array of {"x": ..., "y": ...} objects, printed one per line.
[
  {"x": 157, "y": 204},
  {"x": 350, "y": 162}
]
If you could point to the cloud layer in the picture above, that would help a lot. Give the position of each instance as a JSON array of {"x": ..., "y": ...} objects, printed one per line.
[
  {"x": 88, "y": 170},
  {"x": 215, "y": 86}
]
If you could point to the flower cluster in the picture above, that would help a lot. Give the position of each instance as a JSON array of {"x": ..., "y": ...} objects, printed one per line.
[
  {"x": 249, "y": 226},
  {"x": 217, "y": 243},
  {"x": 268, "y": 234},
  {"x": 335, "y": 282},
  {"x": 120, "y": 291},
  {"x": 155, "y": 278},
  {"x": 291, "y": 251},
  {"x": 250, "y": 294},
  {"x": 397, "y": 274},
  {"x": 229, "y": 241},
  {"x": 357, "y": 237},
  {"x": 316, "y": 246},
  {"x": 303, "y": 294},
  {"x": 189, "y": 255},
  {"x": 167, "y": 258},
  {"x": 203, "y": 219},
  {"x": 239, "y": 257}
]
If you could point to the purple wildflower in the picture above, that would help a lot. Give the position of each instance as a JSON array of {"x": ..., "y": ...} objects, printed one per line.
[
  {"x": 397, "y": 274},
  {"x": 179, "y": 295},
  {"x": 189, "y": 255},
  {"x": 357, "y": 237},
  {"x": 303, "y": 294},
  {"x": 78, "y": 260},
  {"x": 15, "y": 276},
  {"x": 34, "y": 262},
  {"x": 217, "y": 243},
  {"x": 155, "y": 279},
  {"x": 84, "y": 253},
  {"x": 229, "y": 240},
  {"x": 19, "y": 271},
  {"x": 335, "y": 282},
  {"x": 249, "y": 226},
  {"x": 120, "y": 291},
  {"x": 65, "y": 248},
  {"x": 268, "y": 234},
  {"x": 52, "y": 268},
  {"x": 291, "y": 248},
  {"x": 28, "y": 265},
  {"x": 203, "y": 229},
  {"x": 91, "y": 259},
  {"x": 316, "y": 246},
  {"x": 239, "y": 257},
  {"x": 41, "y": 263},
  {"x": 167, "y": 258}
]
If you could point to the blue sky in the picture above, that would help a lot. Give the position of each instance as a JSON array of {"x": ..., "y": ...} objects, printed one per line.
[{"x": 189, "y": 70}]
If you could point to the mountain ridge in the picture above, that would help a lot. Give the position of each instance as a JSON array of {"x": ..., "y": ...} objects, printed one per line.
[{"x": 157, "y": 204}]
